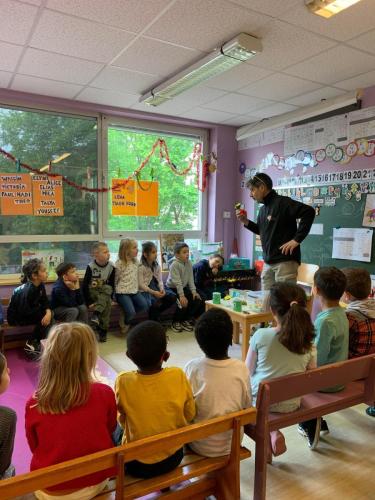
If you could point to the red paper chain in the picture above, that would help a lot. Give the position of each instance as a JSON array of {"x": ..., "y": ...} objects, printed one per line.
[{"x": 163, "y": 154}]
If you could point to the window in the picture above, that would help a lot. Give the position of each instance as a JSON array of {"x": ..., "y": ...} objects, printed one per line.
[
  {"x": 36, "y": 138},
  {"x": 181, "y": 203}
]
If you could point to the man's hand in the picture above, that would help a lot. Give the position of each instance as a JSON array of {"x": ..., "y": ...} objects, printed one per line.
[
  {"x": 288, "y": 247},
  {"x": 242, "y": 216},
  {"x": 196, "y": 296},
  {"x": 158, "y": 294}
]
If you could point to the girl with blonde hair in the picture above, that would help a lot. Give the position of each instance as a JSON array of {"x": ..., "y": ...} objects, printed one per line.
[
  {"x": 127, "y": 282},
  {"x": 70, "y": 415}
]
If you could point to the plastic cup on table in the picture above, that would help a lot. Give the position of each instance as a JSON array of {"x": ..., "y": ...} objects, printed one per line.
[
  {"x": 237, "y": 305},
  {"x": 216, "y": 298}
]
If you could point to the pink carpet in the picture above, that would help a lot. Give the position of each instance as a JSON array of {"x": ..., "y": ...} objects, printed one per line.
[{"x": 23, "y": 380}]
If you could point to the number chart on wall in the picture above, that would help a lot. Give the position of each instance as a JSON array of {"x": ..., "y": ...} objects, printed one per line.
[{"x": 342, "y": 200}]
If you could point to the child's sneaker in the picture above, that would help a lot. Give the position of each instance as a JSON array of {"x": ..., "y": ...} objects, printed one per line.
[
  {"x": 186, "y": 325},
  {"x": 310, "y": 430},
  {"x": 370, "y": 411},
  {"x": 177, "y": 327},
  {"x": 324, "y": 426},
  {"x": 102, "y": 336},
  {"x": 33, "y": 349},
  {"x": 95, "y": 320}
]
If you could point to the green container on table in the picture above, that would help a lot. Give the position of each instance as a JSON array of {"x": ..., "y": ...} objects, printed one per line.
[
  {"x": 237, "y": 305},
  {"x": 216, "y": 298}
]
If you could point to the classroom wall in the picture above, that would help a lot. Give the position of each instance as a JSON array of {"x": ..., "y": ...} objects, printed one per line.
[
  {"x": 221, "y": 185},
  {"x": 253, "y": 157}
]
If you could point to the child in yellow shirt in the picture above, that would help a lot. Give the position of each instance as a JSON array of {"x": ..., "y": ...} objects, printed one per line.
[{"x": 152, "y": 399}]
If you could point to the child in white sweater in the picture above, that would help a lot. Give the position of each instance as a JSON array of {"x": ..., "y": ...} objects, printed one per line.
[{"x": 126, "y": 281}]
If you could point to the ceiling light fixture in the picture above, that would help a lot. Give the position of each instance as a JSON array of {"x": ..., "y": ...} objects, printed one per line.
[
  {"x": 239, "y": 49},
  {"x": 298, "y": 115},
  {"x": 328, "y": 8}
]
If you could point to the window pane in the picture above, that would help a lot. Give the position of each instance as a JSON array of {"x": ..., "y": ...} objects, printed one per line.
[
  {"x": 179, "y": 197},
  {"x": 35, "y": 138}
]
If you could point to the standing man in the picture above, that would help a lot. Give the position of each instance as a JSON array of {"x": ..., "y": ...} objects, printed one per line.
[{"x": 277, "y": 227}]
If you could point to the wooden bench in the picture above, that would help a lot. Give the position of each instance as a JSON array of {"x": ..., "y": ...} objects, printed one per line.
[
  {"x": 218, "y": 476},
  {"x": 358, "y": 376}
]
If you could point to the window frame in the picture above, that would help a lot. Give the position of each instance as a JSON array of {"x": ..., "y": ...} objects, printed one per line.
[{"x": 109, "y": 121}]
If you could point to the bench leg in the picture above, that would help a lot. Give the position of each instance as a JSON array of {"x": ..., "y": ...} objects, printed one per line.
[
  {"x": 236, "y": 332},
  {"x": 228, "y": 479},
  {"x": 261, "y": 452}
]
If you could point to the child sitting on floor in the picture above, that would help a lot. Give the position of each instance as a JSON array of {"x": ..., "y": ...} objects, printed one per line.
[
  {"x": 361, "y": 315},
  {"x": 70, "y": 415},
  {"x": 66, "y": 299},
  {"x": 181, "y": 282},
  {"x": 220, "y": 384},
  {"x": 98, "y": 286},
  {"x": 332, "y": 336},
  {"x": 152, "y": 399},
  {"x": 127, "y": 282},
  {"x": 151, "y": 282},
  {"x": 29, "y": 305},
  {"x": 204, "y": 273},
  {"x": 8, "y": 419},
  {"x": 282, "y": 350}
]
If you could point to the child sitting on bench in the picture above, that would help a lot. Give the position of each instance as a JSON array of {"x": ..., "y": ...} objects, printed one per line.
[
  {"x": 152, "y": 399},
  {"x": 285, "y": 349}
]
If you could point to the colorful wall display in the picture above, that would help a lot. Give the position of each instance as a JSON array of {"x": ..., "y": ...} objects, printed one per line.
[{"x": 47, "y": 195}]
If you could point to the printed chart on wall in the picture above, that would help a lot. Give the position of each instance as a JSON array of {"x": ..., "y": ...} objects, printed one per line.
[{"x": 131, "y": 197}]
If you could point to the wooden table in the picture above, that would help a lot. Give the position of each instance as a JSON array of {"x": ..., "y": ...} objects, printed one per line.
[{"x": 245, "y": 320}]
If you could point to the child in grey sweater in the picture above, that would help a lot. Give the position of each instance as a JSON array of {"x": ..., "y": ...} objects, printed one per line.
[{"x": 181, "y": 282}]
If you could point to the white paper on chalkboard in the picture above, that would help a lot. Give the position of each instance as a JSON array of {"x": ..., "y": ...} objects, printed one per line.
[
  {"x": 316, "y": 229},
  {"x": 352, "y": 244}
]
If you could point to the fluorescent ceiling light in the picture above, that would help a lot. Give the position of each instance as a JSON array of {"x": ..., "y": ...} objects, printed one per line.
[
  {"x": 239, "y": 49},
  {"x": 299, "y": 114},
  {"x": 328, "y": 8}
]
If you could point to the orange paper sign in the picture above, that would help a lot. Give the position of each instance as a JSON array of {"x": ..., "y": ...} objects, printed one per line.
[
  {"x": 129, "y": 199},
  {"x": 48, "y": 195},
  {"x": 15, "y": 193}
]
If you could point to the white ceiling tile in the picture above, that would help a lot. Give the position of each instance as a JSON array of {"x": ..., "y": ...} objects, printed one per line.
[
  {"x": 58, "y": 67},
  {"x": 132, "y": 15},
  {"x": 204, "y": 25},
  {"x": 208, "y": 115},
  {"x": 237, "y": 103},
  {"x": 5, "y": 78},
  {"x": 284, "y": 45},
  {"x": 238, "y": 121},
  {"x": 339, "y": 63},
  {"x": 172, "y": 107},
  {"x": 316, "y": 96},
  {"x": 364, "y": 42},
  {"x": 109, "y": 97},
  {"x": 16, "y": 21},
  {"x": 279, "y": 87},
  {"x": 360, "y": 81},
  {"x": 237, "y": 77},
  {"x": 151, "y": 56},
  {"x": 349, "y": 23},
  {"x": 78, "y": 38},
  {"x": 9, "y": 55},
  {"x": 272, "y": 8},
  {"x": 123, "y": 80},
  {"x": 199, "y": 95},
  {"x": 274, "y": 109},
  {"x": 45, "y": 87},
  {"x": 33, "y": 2}
]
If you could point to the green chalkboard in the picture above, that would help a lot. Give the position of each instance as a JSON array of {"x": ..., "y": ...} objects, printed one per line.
[{"x": 317, "y": 249}]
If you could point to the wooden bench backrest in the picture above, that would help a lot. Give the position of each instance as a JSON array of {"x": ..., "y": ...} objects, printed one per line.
[
  {"x": 59, "y": 473},
  {"x": 299, "y": 384}
]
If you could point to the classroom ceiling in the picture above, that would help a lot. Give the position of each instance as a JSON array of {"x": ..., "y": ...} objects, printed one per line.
[{"x": 111, "y": 51}]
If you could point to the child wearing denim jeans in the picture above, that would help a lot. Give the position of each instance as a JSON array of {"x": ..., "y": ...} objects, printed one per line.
[{"x": 127, "y": 282}]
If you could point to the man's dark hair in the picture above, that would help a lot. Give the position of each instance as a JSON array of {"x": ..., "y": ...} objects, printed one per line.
[
  {"x": 258, "y": 179},
  {"x": 179, "y": 246},
  {"x": 146, "y": 344},
  {"x": 331, "y": 282},
  {"x": 213, "y": 331},
  {"x": 64, "y": 268},
  {"x": 358, "y": 282}
]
